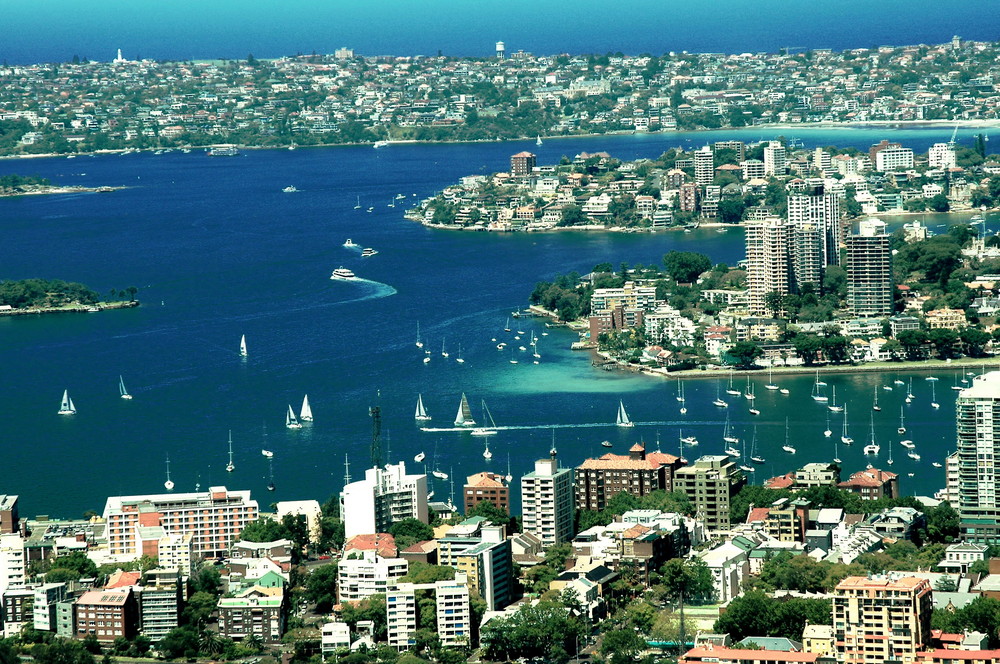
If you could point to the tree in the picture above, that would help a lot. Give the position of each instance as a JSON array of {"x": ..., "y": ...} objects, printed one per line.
[
  {"x": 63, "y": 651},
  {"x": 179, "y": 642},
  {"x": 789, "y": 572},
  {"x": 572, "y": 215},
  {"x": 321, "y": 587},
  {"x": 807, "y": 346},
  {"x": 913, "y": 342},
  {"x": 621, "y": 646},
  {"x": 199, "y": 608},
  {"x": 409, "y": 531},
  {"x": 685, "y": 266},
  {"x": 939, "y": 203},
  {"x": 745, "y": 353},
  {"x": 488, "y": 510},
  {"x": 836, "y": 349},
  {"x": 945, "y": 342},
  {"x": 688, "y": 579},
  {"x": 974, "y": 341},
  {"x": 731, "y": 210},
  {"x": 942, "y": 524}
]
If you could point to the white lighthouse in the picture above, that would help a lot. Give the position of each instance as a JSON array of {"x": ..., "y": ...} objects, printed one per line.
[
  {"x": 118, "y": 60},
  {"x": 500, "y": 50}
]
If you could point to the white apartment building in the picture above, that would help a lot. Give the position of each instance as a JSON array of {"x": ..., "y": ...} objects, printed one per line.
[
  {"x": 628, "y": 296},
  {"x": 815, "y": 216},
  {"x": 11, "y": 563},
  {"x": 547, "y": 497},
  {"x": 362, "y": 574},
  {"x": 667, "y": 325},
  {"x": 174, "y": 552},
  {"x": 893, "y": 158},
  {"x": 775, "y": 158},
  {"x": 767, "y": 262},
  {"x": 454, "y": 617},
  {"x": 752, "y": 168},
  {"x": 942, "y": 155},
  {"x": 869, "y": 270},
  {"x": 214, "y": 518},
  {"x": 704, "y": 166},
  {"x": 976, "y": 478},
  {"x": 386, "y": 496},
  {"x": 335, "y": 637}
]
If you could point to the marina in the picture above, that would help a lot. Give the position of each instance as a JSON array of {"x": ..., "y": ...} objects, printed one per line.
[{"x": 255, "y": 264}]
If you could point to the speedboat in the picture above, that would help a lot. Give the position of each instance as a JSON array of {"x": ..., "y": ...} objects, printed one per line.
[
  {"x": 936, "y": 464},
  {"x": 908, "y": 444},
  {"x": 368, "y": 252},
  {"x": 788, "y": 448},
  {"x": 290, "y": 189},
  {"x": 913, "y": 455},
  {"x": 350, "y": 244},
  {"x": 343, "y": 273},
  {"x": 606, "y": 443},
  {"x": 690, "y": 440}
]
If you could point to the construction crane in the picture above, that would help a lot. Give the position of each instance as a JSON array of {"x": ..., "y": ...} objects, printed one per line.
[
  {"x": 376, "y": 414},
  {"x": 953, "y": 135}
]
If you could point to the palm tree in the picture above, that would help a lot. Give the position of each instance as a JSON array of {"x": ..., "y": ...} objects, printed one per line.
[
  {"x": 210, "y": 643},
  {"x": 254, "y": 642}
]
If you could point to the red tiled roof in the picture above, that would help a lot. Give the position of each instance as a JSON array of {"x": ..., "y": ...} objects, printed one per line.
[
  {"x": 122, "y": 579},
  {"x": 870, "y": 477},
  {"x": 949, "y": 655},
  {"x": 721, "y": 654},
  {"x": 758, "y": 514},
  {"x": 383, "y": 544},
  {"x": 780, "y": 482},
  {"x": 485, "y": 479}
]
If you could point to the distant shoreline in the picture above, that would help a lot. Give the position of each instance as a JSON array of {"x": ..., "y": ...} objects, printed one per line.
[
  {"x": 75, "y": 308},
  {"x": 45, "y": 190},
  {"x": 888, "y": 124}
]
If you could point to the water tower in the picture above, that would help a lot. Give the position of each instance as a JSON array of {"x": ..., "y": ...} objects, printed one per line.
[{"x": 500, "y": 50}]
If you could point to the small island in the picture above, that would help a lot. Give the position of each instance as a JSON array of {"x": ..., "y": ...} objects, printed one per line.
[
  {"x": 41, "y": 296},
  {"x": 28, "y": 185}
]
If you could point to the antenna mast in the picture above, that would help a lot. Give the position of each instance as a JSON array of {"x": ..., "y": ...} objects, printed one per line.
[{"x": 375, "y": 413}]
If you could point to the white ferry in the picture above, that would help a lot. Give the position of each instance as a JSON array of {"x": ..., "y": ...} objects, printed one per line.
[{"x": 343, "y": 273}]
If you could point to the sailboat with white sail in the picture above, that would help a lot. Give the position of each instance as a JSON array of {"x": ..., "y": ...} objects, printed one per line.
[
  {"x": 464, "y": 416},
  {"x": 771, "y": 385},
  {"x": 306, "y": 412},
  {"x": 230, "y": 467},
  {"x": 121, "y": 389},
  {"x": 67, "y": 407},
  {"x": 623, "y": 420},
  {"x": 817, "y": 393},
  {"x": 787, "y": 446},
  {"x": 754, "y": 454},
  {"x": 731, "y": 390},
  {"x": 489, "y": 426},
  {"x": 421, "y": 413},
  {"x": 744, "y": 466},
  {"x": 833, "y": 403},
  {"x": 243, "y": 346},
  {"x": 727, "y": 434},
  {"x": 291, "y": 422}
]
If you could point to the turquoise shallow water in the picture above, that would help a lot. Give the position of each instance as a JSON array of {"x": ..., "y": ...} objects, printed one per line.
[{"x": 219, "y": 251}]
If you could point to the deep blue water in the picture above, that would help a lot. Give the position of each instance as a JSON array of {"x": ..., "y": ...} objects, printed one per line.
[
  {"x": 56, "y": 30},
  {"x": 219, "y": 251}
]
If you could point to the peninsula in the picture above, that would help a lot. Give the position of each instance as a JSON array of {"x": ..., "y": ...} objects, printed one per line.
[
  {"x": 40, "y": 296},
  {"x": 20, "y": 185}
]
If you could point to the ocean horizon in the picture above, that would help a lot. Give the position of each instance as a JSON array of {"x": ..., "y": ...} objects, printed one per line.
[{"x": 185, "y": 30}]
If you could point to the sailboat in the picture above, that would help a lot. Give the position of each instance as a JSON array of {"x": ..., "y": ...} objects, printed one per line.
[
  {"x": 902, "y": 425},
  {"x": 833, "y": 403},
  {"x": 836, "y": 452},
  {"x": 291, "y": 422},
  {"x": 749, "y": 391},
  {"x": 682, "y": 398},
  {"x": 168, "y": 485},
  {"x": 787, "y": 446},
  {"x": 538, "y": 140},
  {"x": 956, "y": 386},
  {"x": 817, "y": 393},
  {"x": 844, "y": 438},
  {"x": 460, "y": 359},
  {"x": 230, "y": 467},
  {"x": 743, "y": 462},
  {"x": 121, "y": 389},
  {"x": 506, "y": 327},
  {"x": 508, "y": 477},
  {"x": 872, "y": 447},
  {"x": 718, "y": 400},
  {"x": 270, "y": 474},
  {"x": 731, "y": 390},
  {"x": 689, "y": 440},
  {"x": 732, "y": 451},
  {"x": 306, "y": 413},
  {"x": 934, "y": 403},
  {"x": 420, "y": 344},
  {"x": 754, "y": 454},
  {"x": 444, "y": 353},
  {"x": 623, "y": 420},
  {"x": 889, "y": 460},
  {"x": 909, "y": 391},
  {"x": 727, "y": 434},
  {"x": 486, "y": 453},
  {"x": 357, "y": 206},
  {"x": 827, "y": 431},
  {"x": 680, "y": 447},
  {"x": 489, "y": 426},
  {"x": 875, "y": 405},
  {"x": 67, "y": 407},
  {"x": 770, "y": 381},
  {"x": 464, "y": 416},
  {"x": 437, "y": 473},
  {"x": 421, "y": 414},
  {"x": 243, "y": 346},
  {"x": 680, "y": 391}
]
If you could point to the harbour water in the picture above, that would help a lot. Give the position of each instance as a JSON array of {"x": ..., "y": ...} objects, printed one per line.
[{"x": 218, "y": 251}]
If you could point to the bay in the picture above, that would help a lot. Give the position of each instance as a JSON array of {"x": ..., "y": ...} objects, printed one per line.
[{"x": 218, "y": 251}]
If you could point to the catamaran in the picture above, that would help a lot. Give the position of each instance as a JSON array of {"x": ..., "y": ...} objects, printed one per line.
[
  {"x": 623, "y": 420},
  {"x": 230, "y": 467},
  {"x": 306, "y": 412},
  {"x": 489, "y": 426},
  {"x": 872, "y": 447},
  {"x": 243, "y": 346},
  {"x": 421, "y": 414},
  {"x": 902, "y": 425},
  {"x": 844, "y": 438},
  {"x": 168, "y": 485},
  {"x": 464, "y": 416},
  {"x": 121, "y": 389},
  {"x": 67, "y": 407},
  {"x": 291, "y": 422}
]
